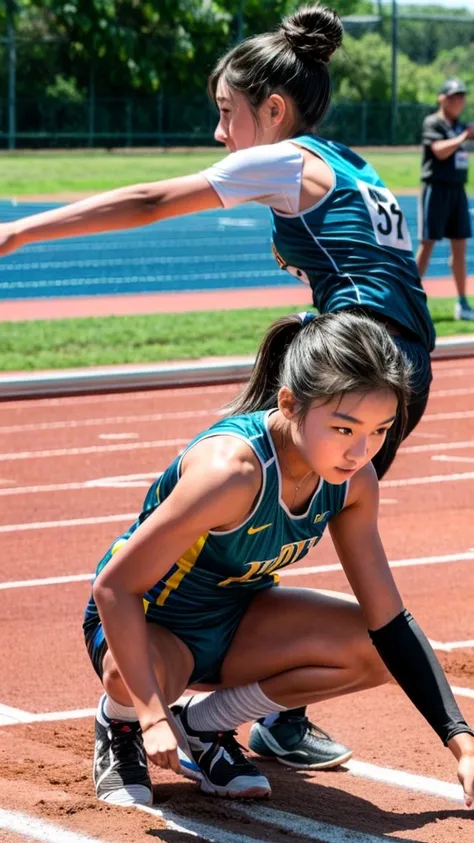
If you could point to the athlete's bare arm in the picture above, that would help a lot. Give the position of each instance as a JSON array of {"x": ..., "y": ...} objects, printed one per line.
[
  {"x": 219, "y": 484},
  {"x": 127, "y": 207},
  {"x": 143, "y": 204},
  {"x": 356, "y": 538}
]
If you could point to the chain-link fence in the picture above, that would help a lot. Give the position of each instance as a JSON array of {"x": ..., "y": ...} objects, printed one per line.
[
  {"x": 83, "y": 106},
  {"x": 162, "y": 121}
]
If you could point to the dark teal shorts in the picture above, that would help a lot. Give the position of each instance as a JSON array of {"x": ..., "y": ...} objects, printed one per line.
[{"x": 207, "y": 634}]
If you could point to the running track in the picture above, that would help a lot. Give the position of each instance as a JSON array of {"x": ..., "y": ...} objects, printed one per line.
[
  {"x": 73, "y": 474},
  {"x": 216, "y": 250}
]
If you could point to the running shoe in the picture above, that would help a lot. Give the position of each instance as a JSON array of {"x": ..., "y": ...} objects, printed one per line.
[
  {"x": 223, "y": 768},
  {"x": 120, "y": 770},
  {"x": 461, "y": 311},
  {"x": 292, "y": 740}
]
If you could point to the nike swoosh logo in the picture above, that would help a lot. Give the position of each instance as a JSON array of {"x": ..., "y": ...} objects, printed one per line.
[{"x": 252, "y": 530}]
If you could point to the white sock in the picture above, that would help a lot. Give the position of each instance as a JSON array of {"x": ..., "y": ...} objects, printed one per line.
[
  {"x": 227, "y": 709},
  {"x": 114, "y": 711}
]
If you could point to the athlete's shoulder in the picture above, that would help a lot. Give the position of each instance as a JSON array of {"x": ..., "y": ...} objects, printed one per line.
[
  {"x": 225, "y": 458},
  {"x": 245, "y": 161},
  {"x": 343, "y": 159},
  {"x": 434, "y": 122}
]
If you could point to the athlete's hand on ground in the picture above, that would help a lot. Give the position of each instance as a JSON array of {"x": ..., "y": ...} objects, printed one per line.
[
  {"x": 466, "y": 777},
  {"x": 9, "y": 240},
  {"x": 161, "y": 746}
]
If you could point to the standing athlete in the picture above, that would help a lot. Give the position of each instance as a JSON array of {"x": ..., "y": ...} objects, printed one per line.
[
  {"x": 335, "y": 226},
  {"x": 443, "y": 207}
]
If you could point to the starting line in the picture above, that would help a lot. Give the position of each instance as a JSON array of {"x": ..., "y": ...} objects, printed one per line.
[{"x": 282, "y": 821}]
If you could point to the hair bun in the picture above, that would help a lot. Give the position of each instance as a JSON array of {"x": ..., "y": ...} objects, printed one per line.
[{"x": 313, "y": 33}]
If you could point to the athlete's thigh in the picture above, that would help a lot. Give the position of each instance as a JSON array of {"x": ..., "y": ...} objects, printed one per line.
[
  {"x": 459, "y": 227},
  {"x": 293, "y": 627},
  {"x": 419, "y": 357},
  {"x": 433, "y": 212}
]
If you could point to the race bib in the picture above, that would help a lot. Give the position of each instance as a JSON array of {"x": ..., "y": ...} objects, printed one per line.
[
  {"x": 388, "y": 221},
  {"x": 461, "y": 159}
]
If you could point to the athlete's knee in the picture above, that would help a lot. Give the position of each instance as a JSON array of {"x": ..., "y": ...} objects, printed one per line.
[
  {"x": 111, "y": 677},
  {"x": 368, "y": 664}
]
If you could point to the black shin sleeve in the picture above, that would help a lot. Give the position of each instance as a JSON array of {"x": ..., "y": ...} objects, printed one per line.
[{"x": 410, "y": 659}]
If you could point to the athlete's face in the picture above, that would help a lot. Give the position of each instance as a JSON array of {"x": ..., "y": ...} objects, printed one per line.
[
  {"x": 238, "y": 127},
  {"x": 339, "y": 438},
  {"x": 453, "y": 105}
]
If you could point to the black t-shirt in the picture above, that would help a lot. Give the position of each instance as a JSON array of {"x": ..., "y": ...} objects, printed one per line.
[{"x": 452, "y": 170}]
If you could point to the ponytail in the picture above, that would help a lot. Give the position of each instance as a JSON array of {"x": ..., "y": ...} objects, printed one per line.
[
  {"x": 261, "y": 392},
  {"x": 323, "y": 357}
]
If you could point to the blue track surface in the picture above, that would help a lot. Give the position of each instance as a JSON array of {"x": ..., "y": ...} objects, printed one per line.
[{"x": 207, "y": 251}]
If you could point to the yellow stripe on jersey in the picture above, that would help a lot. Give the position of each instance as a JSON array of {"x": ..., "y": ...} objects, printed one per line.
[
  {"x": 146, "y": 603},
  {"x": 157, "y": 493},
  {"x": 118, "y": 544},
  {"x": 185, "y": 565}
]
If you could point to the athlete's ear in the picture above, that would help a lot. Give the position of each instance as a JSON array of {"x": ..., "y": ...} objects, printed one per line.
[
  {"x": 287, "y": 403},
  {"x": 276, "y": 109}
]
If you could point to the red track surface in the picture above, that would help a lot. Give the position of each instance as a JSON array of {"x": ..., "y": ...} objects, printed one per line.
[
  {"x": 45, "y": 767},
  {"x": 62, "y": 308}
]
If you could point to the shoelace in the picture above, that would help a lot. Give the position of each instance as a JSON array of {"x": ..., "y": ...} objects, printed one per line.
[
  {"x": 307, "y": 726},
  {"x": 228, "y": 742},
  {"x": 315, "y": 730},
  {"x": 125, "y": 737}
]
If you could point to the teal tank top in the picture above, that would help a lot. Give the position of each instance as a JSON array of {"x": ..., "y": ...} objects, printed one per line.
[
  {"x": 353, "y": 247},
  {"x": 250, "y": 555}
]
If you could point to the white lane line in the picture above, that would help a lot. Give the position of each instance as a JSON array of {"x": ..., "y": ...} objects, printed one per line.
[
  {"x": 463, "y": 692},
  {"x": 4, "y": 586},
  {"x": 306, "y": 827},
  {"x": 394, "y": 563},
  {"x": 446, "y": 458},
  {"x": 71, "y": 522},
  {"x": 118, "y": 436},
  {"x": 93, "y": 449},
  {"x": 287, "y": 572},
  {"x": 415, "y": 433},
  {"x": 15, "y": 716},
  {"x": 433, "y": 478},
  {"x": 448, "y": 646},
  {"x": 438, "y": 446},
  {"x": 113, "y": 398},
  {"x": 35, "y": 829},
  {"x": 460, "y": 414},
  {"x": 103, "y": 422},
  {"x": 409, "y": 781},
  {"x": 447, "y": 393},
  {"x": 197, "y": 828},
  {"x": 121, "y": 481},
  {"x": 9, "y": 715}
]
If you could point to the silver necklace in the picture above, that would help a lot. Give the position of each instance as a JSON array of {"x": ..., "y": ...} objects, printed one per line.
[{"x": 298, "y": 483}]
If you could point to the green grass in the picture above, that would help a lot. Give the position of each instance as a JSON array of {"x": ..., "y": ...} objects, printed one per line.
[
  {"x": 399, "y": 170},
  {"x": 44, "y": 173},
  {"x": 59, "y": 344},
  {"x": 47, "y": 172}
]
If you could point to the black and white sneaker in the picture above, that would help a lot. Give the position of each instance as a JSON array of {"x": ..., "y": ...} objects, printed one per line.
[
  {"x": 296, "y": 742},
  {"x": 120, "y": 770},
  {"x": 222, "y": 767}
]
